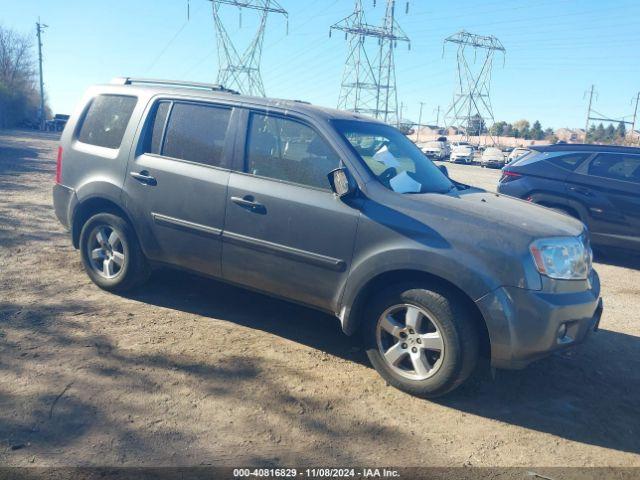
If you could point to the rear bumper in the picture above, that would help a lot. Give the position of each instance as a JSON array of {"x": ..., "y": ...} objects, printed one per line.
[
  {"x": 63, "y": 198},
  {"x": 523, "y": 324}
]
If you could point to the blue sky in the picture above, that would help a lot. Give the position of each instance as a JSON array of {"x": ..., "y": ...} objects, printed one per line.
[{"x": 555, "y": 50}]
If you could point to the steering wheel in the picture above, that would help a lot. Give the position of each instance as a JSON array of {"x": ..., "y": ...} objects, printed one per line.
[{"x": 386, "y": 176}]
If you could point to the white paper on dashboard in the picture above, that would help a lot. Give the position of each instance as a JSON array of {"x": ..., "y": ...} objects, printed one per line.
[
  {"x": 384, "y": 156},
  {"x": 403, "y": 183}
]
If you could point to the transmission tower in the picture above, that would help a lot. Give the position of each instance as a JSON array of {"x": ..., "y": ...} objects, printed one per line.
[
  {"x": 369, "y": 80},
  {"x": 242, "y": 72},
  {"x": 471, "y": 107}
]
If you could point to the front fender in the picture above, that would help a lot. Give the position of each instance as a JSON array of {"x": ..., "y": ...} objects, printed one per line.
[{"x": 462, "y": 270}]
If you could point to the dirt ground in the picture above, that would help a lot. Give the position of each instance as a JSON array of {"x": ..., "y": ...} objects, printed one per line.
[{"x": 188, "y": 371}]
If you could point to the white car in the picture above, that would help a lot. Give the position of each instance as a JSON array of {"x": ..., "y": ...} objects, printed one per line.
[
  {"x": 517, "y": 153},
  {"x": 462, "y": 154},
  {"x": 436, "y": 150},
  {"x": 492, "y": 157}
]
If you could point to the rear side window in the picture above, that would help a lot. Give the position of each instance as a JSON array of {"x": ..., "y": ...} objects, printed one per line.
[
  {"x": 571, "y": 161},
  {"x": 159, "y": 120},
  {"x": 289, "y": 150},
  {"x": 196, "y": 133},
  {"x": 106, "y": 120},
  {"x": 616, "y": 166}
]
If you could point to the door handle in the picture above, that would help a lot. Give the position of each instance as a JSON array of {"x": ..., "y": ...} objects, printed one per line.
[
  {"x": 144, "y": 177},
  {"x": 249, "y": 203},
  {"x": 582, "y": 191}
]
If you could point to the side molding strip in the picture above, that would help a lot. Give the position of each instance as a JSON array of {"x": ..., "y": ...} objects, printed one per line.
[
  {"x": 185, "y": 225},
  {"x": 304, "y": 256}
]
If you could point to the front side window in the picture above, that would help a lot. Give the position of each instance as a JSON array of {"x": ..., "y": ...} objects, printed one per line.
[
  {"x": 106, "y": 120},
  {"x": 617, "y": 166},
  {"x": 288, "y": 150},
  {"x": 393, "y": 158},
  {"x": 196, "y": 133}
]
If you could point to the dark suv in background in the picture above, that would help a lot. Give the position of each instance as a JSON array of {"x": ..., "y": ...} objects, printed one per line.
[
  {"x": 329, "y": 209},
  {"x": 597, "y": 184}
]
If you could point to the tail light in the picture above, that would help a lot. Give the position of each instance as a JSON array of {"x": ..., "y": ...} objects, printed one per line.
[
  {"x": 508, "y": 176},
  {"x": 59, "y": 166}
]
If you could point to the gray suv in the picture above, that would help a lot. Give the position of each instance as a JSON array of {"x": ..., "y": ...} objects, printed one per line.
[{"x": 329, "y": 209}]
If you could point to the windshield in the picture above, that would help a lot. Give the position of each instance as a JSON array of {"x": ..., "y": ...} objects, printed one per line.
[
  {"x": 396, "y": 162},
  {"x": 463, "y": 149},
  {"x": 492, "y": 151},
  {"x": 434, "y": 144}
]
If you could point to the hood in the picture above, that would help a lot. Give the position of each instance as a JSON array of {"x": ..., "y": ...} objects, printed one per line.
[{"x": 501, "y": 215}]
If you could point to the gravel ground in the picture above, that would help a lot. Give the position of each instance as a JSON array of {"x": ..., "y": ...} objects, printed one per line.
[{"x": 189, "y": 371}]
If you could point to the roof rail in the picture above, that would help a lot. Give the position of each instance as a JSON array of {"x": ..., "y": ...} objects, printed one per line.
[{"x": 172, "y": 83}]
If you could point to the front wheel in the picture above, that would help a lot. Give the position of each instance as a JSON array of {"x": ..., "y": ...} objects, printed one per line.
[
  {"x": 421, "y": 340},
  {"x": 111, "y": 254}
]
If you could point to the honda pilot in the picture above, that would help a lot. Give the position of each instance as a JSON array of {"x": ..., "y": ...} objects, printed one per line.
[{"x": 329, "y": 209}]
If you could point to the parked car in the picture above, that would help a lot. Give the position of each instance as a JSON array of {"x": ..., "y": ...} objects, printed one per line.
[
  {"x": 462, "y": 154},
  {"x": 436, "y": 150},
  {"x": 517, "y": 153},
  {"x": 329, "y": 209},
  {"x": 492, "y": 157},
  {"x": 597, "y": 184}
]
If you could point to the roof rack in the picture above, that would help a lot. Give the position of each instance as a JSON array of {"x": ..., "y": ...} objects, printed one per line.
[{"x": 172, "y": 83}]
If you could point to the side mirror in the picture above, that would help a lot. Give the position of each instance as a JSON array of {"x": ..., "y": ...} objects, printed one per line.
[
  {"x": 444, "y": 170},
  {"x": 340, "y": 183}
]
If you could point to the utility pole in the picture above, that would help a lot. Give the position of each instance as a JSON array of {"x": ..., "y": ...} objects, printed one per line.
[
  {"x": 635, "y": 115},
  {"x": 586, "y": 127},
  {"x": 438, "y": 117},
  {"x": 419, "y": 122},
  {"x": 39, "y": 29},
  {"x": 369, "y": 80},
  {"x": 237, "y": 69},
  {"x": 471, "y": 108}
]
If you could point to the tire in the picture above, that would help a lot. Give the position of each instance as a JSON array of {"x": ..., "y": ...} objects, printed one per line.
[
  {"x": 128, "y": 266},
  {"x": 459, "y": 339}
]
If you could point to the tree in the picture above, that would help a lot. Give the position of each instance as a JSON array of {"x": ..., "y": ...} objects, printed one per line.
[
  {"x": 621, "y": 131},
  {"x": 600, "y": 133},
  {"x": 610, "y": 133},
  {"x": 19, "y": 97},
  {"x": 536, "y": 131},
  {"x": 497, "y": 129},
  {"x": 476, "y": 125}
]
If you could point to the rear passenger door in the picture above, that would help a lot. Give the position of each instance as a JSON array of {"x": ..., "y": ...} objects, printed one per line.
[
  {"x": 176, "y": 183},
  {"x": 609, "y": 184},
  {"x": 285, "y": 231}
]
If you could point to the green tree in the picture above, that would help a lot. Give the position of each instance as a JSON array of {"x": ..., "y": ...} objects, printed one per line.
[
  {"x": 600, "y": 133},
  {"x": 621, "y": 131},
  {"x": 536, "y": 131},
  {"x": 610, "y": 133}
]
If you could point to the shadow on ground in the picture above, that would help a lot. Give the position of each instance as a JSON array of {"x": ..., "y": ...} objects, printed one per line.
[{"x": 588, "y": 394}]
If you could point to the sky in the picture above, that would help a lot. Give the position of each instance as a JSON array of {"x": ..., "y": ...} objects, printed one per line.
[{"x": 555, "y": 50}]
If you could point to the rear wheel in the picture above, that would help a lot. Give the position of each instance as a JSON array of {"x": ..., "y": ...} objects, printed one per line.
[
  {"x": 111, "y": 254},
  {"x": 421, "y": 340}
]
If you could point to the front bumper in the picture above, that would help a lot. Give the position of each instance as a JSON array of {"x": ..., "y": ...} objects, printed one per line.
[{"x": 523, "y": 324}]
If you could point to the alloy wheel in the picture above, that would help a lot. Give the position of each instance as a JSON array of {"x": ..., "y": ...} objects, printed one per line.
[
  {"x": 106, "y": 251},
  {"x": 410, "y": 341}
]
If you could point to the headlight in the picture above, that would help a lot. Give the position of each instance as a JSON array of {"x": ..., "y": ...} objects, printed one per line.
[{"x": 564, "y": 258}]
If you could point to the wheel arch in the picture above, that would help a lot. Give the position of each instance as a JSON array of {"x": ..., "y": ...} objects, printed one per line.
[
  {"x": 551, "y": 200},
  {"x": 352, "y": 316},
  {"x": 91, "y": 206}
]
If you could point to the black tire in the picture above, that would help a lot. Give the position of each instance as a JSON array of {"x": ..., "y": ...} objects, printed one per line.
[
  {"x": 135, "y": 268},
  {"x": 458, "y": 329}
]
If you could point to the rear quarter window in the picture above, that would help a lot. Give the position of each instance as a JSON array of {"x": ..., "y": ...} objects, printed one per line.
[
  {"x": 569, "y": 161},
  {"x": 106, "y": 120}
]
